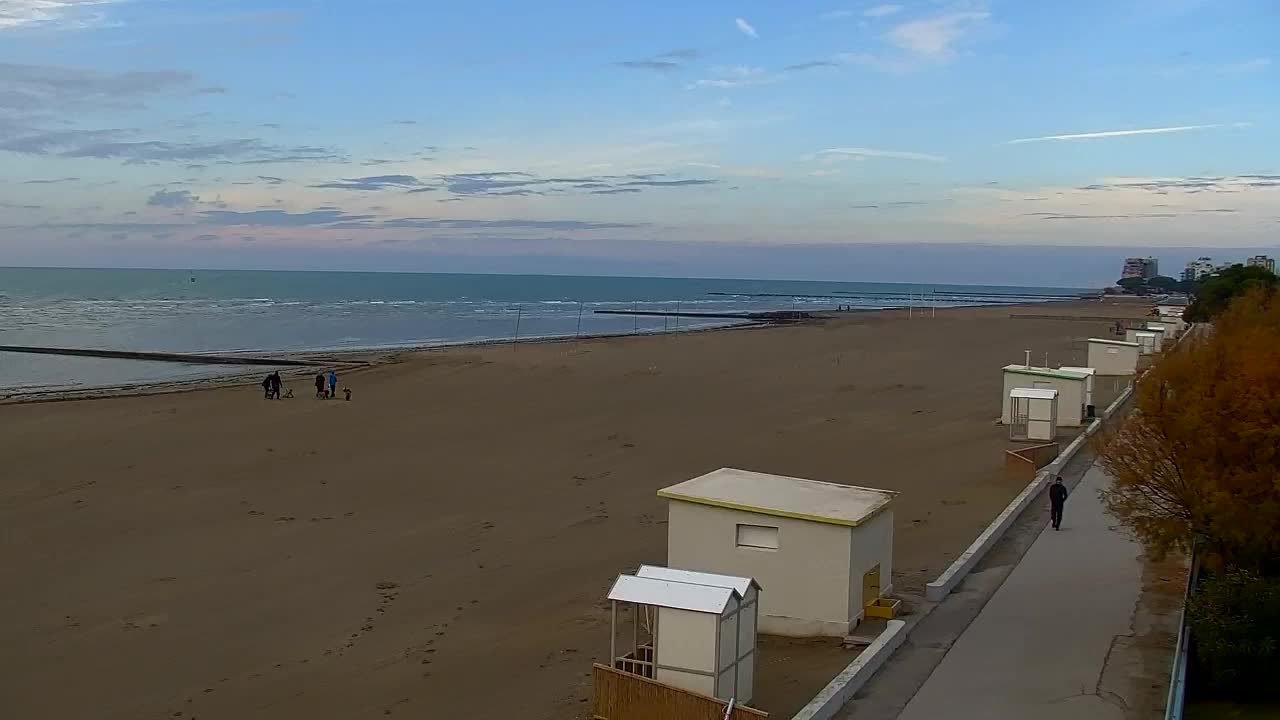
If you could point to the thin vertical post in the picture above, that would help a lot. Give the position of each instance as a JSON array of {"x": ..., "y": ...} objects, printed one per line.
[
  {"x": 677, "y": 315},
  {"x": 519, "y": 312},
  {"x": 613, "y": 634},
  {"x": 578, "y": 333},
  {"x": 635, "y": 326}
]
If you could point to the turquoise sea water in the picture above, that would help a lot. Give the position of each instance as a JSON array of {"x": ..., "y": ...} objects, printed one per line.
[{"x": 232, "y": 311}]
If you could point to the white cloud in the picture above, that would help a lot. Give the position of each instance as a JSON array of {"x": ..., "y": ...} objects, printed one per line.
[
  {"x": 735, "y": 77},
  {"x": 1260, "y": 63},
  {"x": 880, "y": 11},
  {"x": 935, "y": 37},
  {"x": 862, "y": 153},
  {"x": 746, "y": 28},
  {"x": 19, "y": 13},
  {"x": 1123, "y": 133},
  {"x": 836, "y": 15},
  {"x": 1204, "y": 211}
]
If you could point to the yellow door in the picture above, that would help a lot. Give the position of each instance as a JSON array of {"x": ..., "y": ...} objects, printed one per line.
[{"x": 871, "y": 586}]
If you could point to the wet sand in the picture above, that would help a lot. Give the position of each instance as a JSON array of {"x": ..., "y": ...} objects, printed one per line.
[{"x": 440, "y": 546}]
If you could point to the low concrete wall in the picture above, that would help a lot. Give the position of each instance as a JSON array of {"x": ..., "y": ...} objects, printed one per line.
[
  {"x": 844, "y": 686},
  {"x": 946, "y": 582}
]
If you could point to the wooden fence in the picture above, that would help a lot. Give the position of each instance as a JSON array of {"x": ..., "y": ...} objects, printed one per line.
[
  {"x": 1023, "y": 463},
  {"x": 622, "y": 696}
]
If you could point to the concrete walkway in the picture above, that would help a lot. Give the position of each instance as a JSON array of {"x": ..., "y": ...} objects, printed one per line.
[{"x": 1040, "y": 646}]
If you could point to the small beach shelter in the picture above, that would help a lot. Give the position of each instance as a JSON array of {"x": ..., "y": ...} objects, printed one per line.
[
  {"x": 1144, "y": 338},
  {"x": 686, "y": 635},
  {"x": 1033, "y": 414},
  {"x": 1070, "y": 385},
  {"x": 1168, "y": 327},
  {"x": 748, "y": 617},
  {"x": 1113, "y": 357},
  {"x": 823, "y": 551},
  {"x": 1088, "y": 385}
]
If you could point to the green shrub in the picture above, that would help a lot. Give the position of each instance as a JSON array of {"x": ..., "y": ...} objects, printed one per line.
[{"x": 1235, "y": 624}]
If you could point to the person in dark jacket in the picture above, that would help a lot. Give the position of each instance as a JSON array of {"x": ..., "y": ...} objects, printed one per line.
[
  {"x": 275, "y": 385},
  {"x": 1057, "y": 498},
  {"x": 320, "y": 385},
  {"x": 266, "y": 387}
]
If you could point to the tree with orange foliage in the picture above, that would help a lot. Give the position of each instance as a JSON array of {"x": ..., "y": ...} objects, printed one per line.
[{"x": 1199, "y": 458}]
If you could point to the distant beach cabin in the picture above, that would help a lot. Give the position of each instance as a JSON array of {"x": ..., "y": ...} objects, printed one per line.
[
  {"x": 1144, "y": 338},
  {"x": 823, "y": 551},
  {"x": 1071, "y": 387},
  {"x": 1168, "y": 327},
  {"x": 1088, "y": 384},
  {"x": 1033, "y": 414},
  {"x": 1113, "y": 357},
  {"x": 696, "y": 636},
  {"x": 1161, "y": 337}
]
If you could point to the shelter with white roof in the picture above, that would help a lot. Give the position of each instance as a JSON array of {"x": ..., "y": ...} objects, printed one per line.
[
  {"x": 1114, "y": 357},
  {"x": 1088, "y": 385},
  {"x": 690, "y": 630},
  {"x": 824, "y": 551},
  {"x": 1033, "y": 414},
  {"x": 1070, "y": 384},
  {"x": 1148, "y": 340}
]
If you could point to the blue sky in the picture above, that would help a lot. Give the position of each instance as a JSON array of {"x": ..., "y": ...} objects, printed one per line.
[{"x": 395, "y": 134}]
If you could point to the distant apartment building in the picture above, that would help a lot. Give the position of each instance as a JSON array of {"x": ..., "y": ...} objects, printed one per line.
[
  {"x": 1262, "y": 261},
  {"x": 1140, "y": 267},
  {"x": 1198, "y": 268}
]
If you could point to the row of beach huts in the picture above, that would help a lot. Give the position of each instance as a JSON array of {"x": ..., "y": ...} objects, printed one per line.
[{"x": 753, "y": 553}]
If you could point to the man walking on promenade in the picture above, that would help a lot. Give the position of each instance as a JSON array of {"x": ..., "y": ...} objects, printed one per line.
[{"x": 1057, "y": 498}]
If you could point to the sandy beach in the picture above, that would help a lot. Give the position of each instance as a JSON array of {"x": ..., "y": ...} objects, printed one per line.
[{"x": 440, "y": 546}]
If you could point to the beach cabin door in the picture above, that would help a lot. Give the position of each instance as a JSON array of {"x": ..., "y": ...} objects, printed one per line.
[{"x": 871, "y": 586}]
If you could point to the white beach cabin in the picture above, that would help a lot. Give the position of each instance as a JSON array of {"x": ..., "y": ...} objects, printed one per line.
[
  {"x": 747, "y": 623},
  {"x": 687, "y": 635},
  {"x": 824, "y": 551},
  {"x": 1168, "y": 327},
  {"x": 1070, "y": 385},
  {"x": 1145, "y": 338},
  {"x": 1033, "y": 414},
  {"x": 1088, "y": 386},
  {"x": 1113, "y": 357},
  {"x": 1161, "y": 337}
]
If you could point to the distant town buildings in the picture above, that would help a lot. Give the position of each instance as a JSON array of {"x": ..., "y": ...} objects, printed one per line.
[
  {"x": 1262, "y": 261},
  {"x": 1198, "y": 268},
  {"x": 1146, "y": 268},
  {"x": 1140, "y": 267}
]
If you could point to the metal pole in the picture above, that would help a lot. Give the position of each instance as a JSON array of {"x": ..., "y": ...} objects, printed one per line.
[
  {"x": 519, "y": 312},
  {"x": 635, "y": 326},
  {"x": 578, "y": 333},
  {"x": 613, "y": 634},
  {"x": 677, "y": 315}
]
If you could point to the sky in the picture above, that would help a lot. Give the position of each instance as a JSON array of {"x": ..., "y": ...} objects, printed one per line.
[{"x": 922, "y": 139}]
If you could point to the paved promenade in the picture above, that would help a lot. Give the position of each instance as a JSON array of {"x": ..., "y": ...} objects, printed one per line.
[{"x": 1040, "y": 646}]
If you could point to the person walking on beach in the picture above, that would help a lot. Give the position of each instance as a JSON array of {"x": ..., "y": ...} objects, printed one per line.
[
  {"x": 266, "y": 388},
  {"x": 320, "y": 386},
  {"x": 1057, "y": 498},
  {"x": 333, "y": 384}
]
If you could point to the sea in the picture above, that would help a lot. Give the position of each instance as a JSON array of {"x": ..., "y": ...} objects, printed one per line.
[{"x": 273, "y": 311}]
